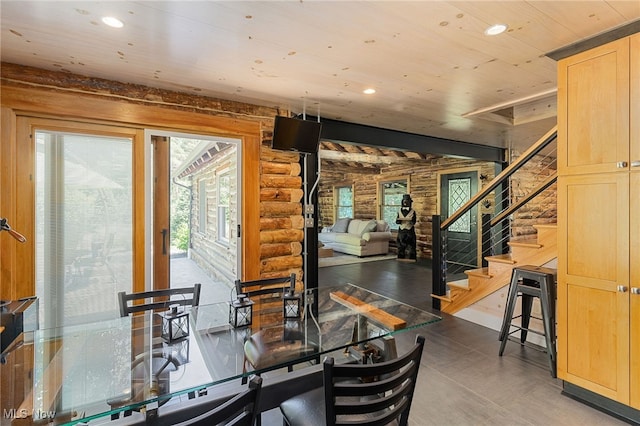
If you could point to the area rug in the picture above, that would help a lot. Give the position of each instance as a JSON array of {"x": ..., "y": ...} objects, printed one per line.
[{"x": 347, "y": 259}]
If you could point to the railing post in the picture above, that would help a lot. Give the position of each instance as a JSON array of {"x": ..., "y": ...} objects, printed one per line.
[
  {"x": 438, "y": 262},
  {"x": 487, "y": 238}
]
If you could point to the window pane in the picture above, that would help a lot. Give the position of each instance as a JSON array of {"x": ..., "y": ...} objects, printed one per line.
[
  {"x": 344, "y": 207},
  {"x": 84, "y": 226},
  {"x": 392, "y": 193},
  {"x": 224, "y": 220}
]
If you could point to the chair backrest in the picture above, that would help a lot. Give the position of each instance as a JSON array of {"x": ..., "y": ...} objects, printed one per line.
[
  {"x": 266, "y": 286},
  {"x": 372, "y": 394},
  {"x": 241, "y": 410},
  {"x": 158, "y": 299}
]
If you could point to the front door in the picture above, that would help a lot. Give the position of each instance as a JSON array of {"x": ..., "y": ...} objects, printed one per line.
[{"x": 462, "y": 236}]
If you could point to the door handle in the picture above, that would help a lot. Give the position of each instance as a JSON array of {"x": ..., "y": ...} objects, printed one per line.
[
  {"x": 621, "y": 164},
  {"x": 635, "y": 290},
  {"x": 622, "y": 288},
  {"x": 635, "y": 163},
  {"x": 165, "y": 233}
]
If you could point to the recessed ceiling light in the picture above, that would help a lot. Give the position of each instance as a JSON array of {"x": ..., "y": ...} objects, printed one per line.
[
  {"x": 496, "y": 29},
  {"x": 113, "y": 22},
  {"x": 369, "y": 91}
]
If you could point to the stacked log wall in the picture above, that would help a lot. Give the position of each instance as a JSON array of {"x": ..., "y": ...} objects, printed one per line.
[
  {"x": 281, "y": 218},
  {"x": 543, "y": 208}
]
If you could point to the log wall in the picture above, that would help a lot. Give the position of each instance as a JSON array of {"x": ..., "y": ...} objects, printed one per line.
[{"x": 423, "y": 184}]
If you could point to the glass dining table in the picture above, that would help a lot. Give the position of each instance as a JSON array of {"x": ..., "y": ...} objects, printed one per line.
[{"x": 105, "y": 370}]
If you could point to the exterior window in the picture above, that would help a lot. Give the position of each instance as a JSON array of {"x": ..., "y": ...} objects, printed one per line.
[
  {"x": 344, "y": 201},
  {"x": 202, "y": 206},
  {"x": 391, "y": 193},
  {"x": 224, "y": 219}
]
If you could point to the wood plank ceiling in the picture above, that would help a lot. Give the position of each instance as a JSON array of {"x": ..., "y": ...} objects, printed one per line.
[{"x": 434, "y": 70}]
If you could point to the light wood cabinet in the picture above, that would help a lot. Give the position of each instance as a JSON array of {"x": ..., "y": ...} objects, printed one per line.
[
  {"x": 593, "y": 262},
  {"x": 634, "y": 231},
  {"x": 634, "y": 253},
  {"x": 599, "y": 220},
  {"x": 593, "y": 110}
]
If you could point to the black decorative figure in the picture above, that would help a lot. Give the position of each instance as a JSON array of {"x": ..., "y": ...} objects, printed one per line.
[{"x": 406, "y": 240}]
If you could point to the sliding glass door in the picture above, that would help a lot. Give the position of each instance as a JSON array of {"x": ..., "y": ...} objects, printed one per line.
[{"x": 84, "y": 224}]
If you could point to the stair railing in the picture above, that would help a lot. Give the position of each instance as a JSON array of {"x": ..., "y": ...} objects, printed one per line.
[{"x": 507, "y": 213}]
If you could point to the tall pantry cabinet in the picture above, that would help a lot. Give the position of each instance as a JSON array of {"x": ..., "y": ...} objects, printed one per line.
[{"x": 599, "y": 220}]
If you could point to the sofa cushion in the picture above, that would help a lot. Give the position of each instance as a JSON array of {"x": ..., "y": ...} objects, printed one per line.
[
  {"x": 349, "y": 239},
  {"x": 341, "y": 225}
]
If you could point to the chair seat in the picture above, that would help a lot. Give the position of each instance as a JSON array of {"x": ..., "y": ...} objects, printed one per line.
[
  {"x": 272, "y": 347},
  {"x": 304, "y": 410}
]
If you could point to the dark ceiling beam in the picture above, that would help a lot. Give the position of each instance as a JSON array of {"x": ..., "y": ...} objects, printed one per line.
[{"x": 360, "y": 134}]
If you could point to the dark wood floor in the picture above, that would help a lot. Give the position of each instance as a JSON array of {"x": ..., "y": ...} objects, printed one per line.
[{"x": 462, "y": 379}]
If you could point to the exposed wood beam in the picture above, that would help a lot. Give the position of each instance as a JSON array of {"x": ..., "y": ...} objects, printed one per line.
[
  {"x": 359, "y": 134},
  {"x": 353, "y": 157}
]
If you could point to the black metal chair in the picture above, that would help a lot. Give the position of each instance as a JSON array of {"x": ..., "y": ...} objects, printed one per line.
[
  {"x": 239, "y": 410},
  {"x": 156, "y": 363},
  {"x": 154, "y": 300},
  {"x": 274, "y": 345},
  {"x": 363, "y": 394}
]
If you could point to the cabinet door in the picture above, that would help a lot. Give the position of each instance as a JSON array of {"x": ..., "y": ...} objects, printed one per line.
[
  {"x": 593, "y": 109},
  {"x": 634, "y": 254},
  {"x": 593, "y": 262},
  {"x": 635, "y": 221},
  {"x": 635, "y": 102}
]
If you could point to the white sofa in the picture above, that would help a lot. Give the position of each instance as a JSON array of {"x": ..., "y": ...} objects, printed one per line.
[{"x": 358, "y": 237}]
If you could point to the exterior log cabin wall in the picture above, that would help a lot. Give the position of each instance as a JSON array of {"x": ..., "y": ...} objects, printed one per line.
[{"x": 212, "y": 256}]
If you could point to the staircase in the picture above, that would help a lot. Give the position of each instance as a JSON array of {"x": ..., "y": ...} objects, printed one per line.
[{"x": 481, "y": 283}]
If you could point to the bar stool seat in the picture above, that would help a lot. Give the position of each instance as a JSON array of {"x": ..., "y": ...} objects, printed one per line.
[{"x": 529, "y": 282}]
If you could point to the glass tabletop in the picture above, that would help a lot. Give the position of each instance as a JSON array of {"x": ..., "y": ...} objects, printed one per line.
[{"x": 88, "y": 371}]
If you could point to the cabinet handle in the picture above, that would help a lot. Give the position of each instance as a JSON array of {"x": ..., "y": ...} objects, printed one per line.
[
  {"x": 622, "y": 288},
  {"x": 635, "y": 290},
  {"x": 621, "y": 164},
  {"x": 635, "y": 163}
]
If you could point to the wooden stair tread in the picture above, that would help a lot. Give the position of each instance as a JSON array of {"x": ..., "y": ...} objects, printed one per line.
[
  {"x": 460, "y": 284},
  {"x": 482, "y": 273},
  {"x": 525, "y": 243},
  {"x": 546, "y": 225},
  {"x": 501, "y": 258},
  {"x": 443, "y": 298}
]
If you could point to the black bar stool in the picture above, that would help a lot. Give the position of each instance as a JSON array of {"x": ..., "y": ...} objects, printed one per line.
[{"x": 529, "y": 282}]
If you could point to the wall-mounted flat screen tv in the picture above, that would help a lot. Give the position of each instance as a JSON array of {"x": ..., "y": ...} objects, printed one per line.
[{"x": 293, "y": 134}]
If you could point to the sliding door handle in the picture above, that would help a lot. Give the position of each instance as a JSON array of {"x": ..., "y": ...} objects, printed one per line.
[{"x": 165, "y": 234}]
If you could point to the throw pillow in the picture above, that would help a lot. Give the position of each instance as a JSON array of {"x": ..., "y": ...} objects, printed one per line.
[
  {"x": 341, "y": 225},
  {"x": 382, "y": 226},
  {"x": 369, "y": 227}
]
